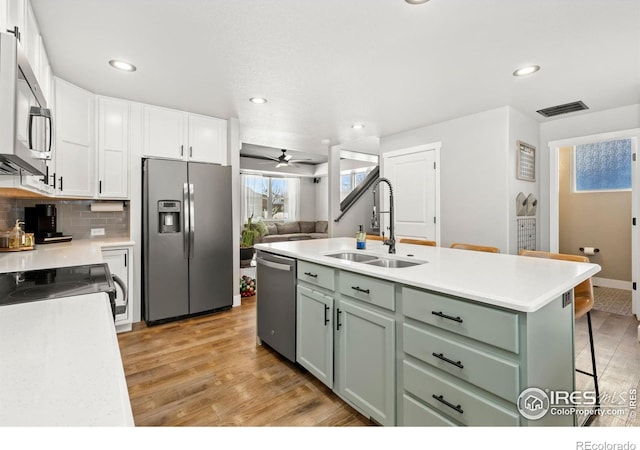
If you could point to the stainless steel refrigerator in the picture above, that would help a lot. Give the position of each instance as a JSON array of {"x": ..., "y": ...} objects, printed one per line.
[{"x": 187, "y": 239}]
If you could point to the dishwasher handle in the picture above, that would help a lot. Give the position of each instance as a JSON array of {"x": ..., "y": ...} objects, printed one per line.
[{"x": 274, "y": 265}]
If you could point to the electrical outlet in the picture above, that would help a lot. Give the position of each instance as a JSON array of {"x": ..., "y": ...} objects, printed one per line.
[{"x": 97, "y": 232}]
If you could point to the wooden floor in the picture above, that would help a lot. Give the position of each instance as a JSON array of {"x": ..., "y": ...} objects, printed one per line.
[{"x": 208, "y": 371}]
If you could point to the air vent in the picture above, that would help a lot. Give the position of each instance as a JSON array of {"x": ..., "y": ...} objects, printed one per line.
[{"x": 562, "y": 109}]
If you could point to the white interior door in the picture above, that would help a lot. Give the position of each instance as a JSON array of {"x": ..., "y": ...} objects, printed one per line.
[{"x": 414, "y": 174}]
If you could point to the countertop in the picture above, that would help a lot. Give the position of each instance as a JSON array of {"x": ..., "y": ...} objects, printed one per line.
[
  {"x": 61, "y": 364},
  {"x": 45, "y": 256},
  {"x": 514, "y": 282}
]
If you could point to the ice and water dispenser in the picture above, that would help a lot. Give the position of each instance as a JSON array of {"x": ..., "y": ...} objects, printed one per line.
[{"x": 169, "y": 216}]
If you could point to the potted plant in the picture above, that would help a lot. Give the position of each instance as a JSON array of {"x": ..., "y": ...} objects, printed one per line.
[{"x": 251, "y": 232}]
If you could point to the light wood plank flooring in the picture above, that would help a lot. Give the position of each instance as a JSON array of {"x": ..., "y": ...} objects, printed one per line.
[{"x": 208, "y": 371}]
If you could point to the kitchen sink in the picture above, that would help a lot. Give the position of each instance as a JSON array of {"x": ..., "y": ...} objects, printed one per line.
[
  {"x": 394, "y": 263},
  {"x": 355, "y": 257}
]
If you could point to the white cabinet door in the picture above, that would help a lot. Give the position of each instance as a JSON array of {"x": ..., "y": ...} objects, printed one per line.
[
  {"x": 207, "y": 139},
  {"x": 314, "y": 333},
  {"x": 165, "y": 133},
  {"x": 30, "y": 38},
  {"x": 119, "y": 261},
  {"x": 16, "y": 16},
  {"x": 74, "y": 152},
  {"x": 4, "y": 16},
  {"x": 44, "y": 75},
  {"x": 113, "y": 148},
  {"x": 365, "y": 363}
]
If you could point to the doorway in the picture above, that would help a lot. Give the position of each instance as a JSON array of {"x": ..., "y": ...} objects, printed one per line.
[
  {"x": 415, "y": 175},
  {"x": 558, "y": 162}
]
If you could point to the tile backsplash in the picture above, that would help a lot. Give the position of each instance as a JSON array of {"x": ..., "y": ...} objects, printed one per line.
[{"x": 74, "y": 217}]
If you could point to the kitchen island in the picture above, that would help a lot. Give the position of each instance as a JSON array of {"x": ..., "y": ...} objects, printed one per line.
[{"x": 452, "y": 340}]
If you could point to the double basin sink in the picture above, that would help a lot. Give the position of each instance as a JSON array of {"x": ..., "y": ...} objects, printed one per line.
[{"x": 376, "y": 260}]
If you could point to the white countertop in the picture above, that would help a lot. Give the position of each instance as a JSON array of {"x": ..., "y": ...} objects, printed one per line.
[
  {"x": 515, "y": 282},
  {"x": 46, "y": 256},
  {"x": 60, "y": 364}
]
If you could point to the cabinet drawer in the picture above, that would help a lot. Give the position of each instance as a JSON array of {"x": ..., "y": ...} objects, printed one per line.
[
  {"x": 487, "y": 371},
  {"x": 454, "y": 400},
  {"x": 367, "y": 289},
  {"x": 486, "y": 324},
  {"x": 316, "y": 274},
  {"x": 418, "y": 415}
]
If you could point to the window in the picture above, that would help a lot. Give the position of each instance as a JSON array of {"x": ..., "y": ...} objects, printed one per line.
[
  {"x": 603, "y": 166},
  {"x": 270, "y": 198},
  {"x": 349, "y": 180}
]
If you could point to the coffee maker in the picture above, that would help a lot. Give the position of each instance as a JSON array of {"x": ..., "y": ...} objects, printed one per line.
[{"x": 41, "y": 221}]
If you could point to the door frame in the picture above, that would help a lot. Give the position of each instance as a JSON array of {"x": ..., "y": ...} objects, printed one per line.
[
  {"x": 554, "y": 197},
  {"x": 434, "y": 146}
]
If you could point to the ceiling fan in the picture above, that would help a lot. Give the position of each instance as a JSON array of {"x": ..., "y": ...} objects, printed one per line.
[{"x": 285, "y": 160}]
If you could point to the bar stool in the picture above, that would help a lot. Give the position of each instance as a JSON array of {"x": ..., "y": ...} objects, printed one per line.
[
  {"x": 478, "y": 248},
  {"x": 417, "y": 242},
  {"x": 583, "y": 300}
]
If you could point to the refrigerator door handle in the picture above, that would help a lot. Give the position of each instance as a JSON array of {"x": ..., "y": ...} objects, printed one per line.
[
  {"x": 192, "y": 221},
  {"x": 185, "y": 220}
]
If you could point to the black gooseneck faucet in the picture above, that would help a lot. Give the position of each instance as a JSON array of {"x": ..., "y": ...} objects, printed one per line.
[{"x": 391, "y": 242}]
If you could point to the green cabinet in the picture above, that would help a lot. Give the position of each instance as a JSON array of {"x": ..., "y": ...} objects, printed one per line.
[
  {"x": 365, "y": 359},
  {"x": 314, "y": 333}
]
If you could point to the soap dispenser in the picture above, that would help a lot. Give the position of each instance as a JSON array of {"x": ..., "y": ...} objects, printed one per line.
[
  {"x": 361, "y": 238},
  {"x": 16, "y": 237}
]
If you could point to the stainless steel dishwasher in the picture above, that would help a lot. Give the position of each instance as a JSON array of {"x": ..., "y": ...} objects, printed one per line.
[{"x": 276, "y": 282}]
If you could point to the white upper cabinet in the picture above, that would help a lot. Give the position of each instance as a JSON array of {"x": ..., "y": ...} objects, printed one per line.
[
  {"x": 4, "y": 16},
  {"x": 179, "y": 135},
  {"x": 165, "y": 132},
  {"x": 207, "y": 139},
  {"x": 75, "y": 151},
  {"x": 113, "y": 148},
  {"x": 15, "y": 16}
]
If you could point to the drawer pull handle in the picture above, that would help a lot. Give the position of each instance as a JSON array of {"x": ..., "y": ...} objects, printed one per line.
[
  {"x": 450, "y": 361},
  {"x": 338, "y": 324},
  {"x": 444, "y": 316},
  {"x": 359, "y": 289},
  {"x": 314, "y": 275},
  {"x": 441, "y": 399},
  {"x": 326, "y": 316}
]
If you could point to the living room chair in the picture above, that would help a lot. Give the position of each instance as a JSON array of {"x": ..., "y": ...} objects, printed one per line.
[
  {"x": 477, "y": 248},
  {"x": 583, "y": 300},
  {"x": 418, "y": 242}
]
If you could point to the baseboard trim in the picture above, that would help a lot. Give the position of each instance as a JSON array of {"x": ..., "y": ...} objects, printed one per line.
[{"x": 609, "y": 283}]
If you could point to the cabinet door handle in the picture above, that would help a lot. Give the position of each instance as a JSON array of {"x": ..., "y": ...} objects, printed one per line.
[
  {"x": 359, "y": 289},
  {"x": 125, "y": 260},
  {"x": 100, "y": 187},
  {"x": 450, "y": 361},
  {"x": 54, "y": 181},
  {"x": 60, "y": 184},
  {"x": 182, "y": 150},
  {"x": 15, "y": 32},
  {"x": 190, "y": 151},
  {"x": 441, "y": 399},
  {"x": 314, "y": 275},
  {"x": 326, "y": 315},
  {"x": 338, "y": 324},
  {"x": 444, "y": 316}
]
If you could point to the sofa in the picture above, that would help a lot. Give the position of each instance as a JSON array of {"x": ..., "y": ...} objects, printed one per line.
[{"x": 295, "y": 231}]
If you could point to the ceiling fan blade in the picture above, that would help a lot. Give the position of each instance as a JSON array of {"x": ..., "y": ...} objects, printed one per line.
[{"x": 287, "y": 157}]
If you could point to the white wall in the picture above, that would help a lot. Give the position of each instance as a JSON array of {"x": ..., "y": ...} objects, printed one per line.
[
  {"x": 473, "y": 175},
  {"x": 233, "y": 159},
  {"x": 521, "y": 128},
  {"x": 322, "y": 199},
  {"x": 584, "y": 124},
  {"x": 307, "y": 199}
]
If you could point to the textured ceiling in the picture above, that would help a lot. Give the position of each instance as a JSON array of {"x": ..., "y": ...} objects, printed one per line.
[{"x": 324, "y": 65}]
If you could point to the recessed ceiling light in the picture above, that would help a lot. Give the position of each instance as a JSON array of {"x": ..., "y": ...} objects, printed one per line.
[
  {"x": 526, "y": 70},
  {"x": 258, "y": 100},
  {"x": 122, "y": 65},
  {"x": 416, "y": 2},
  {"x": 357, "y": 126}
]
